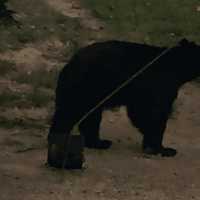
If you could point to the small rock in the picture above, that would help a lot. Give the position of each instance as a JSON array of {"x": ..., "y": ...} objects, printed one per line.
[
  {"x": 111, "y": 120},
  {"x": 137, "y": 193},
  {"x": 129, "y": 138},
  {"x": 33, "y": 27},
  {"x": 148, "y": 4},
  {"x": 51, "y": 30},
  {"x": 111, "y": 7},
  {"x": 118, "y": 140},
  {"x": 198, "y": 9},
  {"x": 76, "y": 6},
  {"x": 84, "y": 191},
  {"x": 175, "y": 174},
  {"x": 17, "y": 178},
  {"x": 101, "y": 27},
  {"x": 172, "y": 34}
]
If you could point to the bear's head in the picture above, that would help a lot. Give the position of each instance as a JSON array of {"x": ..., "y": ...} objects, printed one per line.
[{"x": 190, "y": 59}]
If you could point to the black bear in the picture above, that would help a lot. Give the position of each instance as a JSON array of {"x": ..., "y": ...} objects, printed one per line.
[{"x": 96, "y": 70}]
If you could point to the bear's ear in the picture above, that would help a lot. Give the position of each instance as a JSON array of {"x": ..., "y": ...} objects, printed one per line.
[{"x": 184, "y": 42}]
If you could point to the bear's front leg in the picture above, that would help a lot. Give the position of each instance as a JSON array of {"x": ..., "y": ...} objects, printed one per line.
[
  {"x": 151, "y": 121},
  {"x": 153, "y": 136},
  {"x": 89, "y": 128},
  {"x": 164, "y": 151}
]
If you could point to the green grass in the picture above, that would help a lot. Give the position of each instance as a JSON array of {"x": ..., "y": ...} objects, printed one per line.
[
  {"x": 38, "y": 22},
  {"x": 38, "y": 78},
  {"x": 37, "y": 97},
  {"x": 8, "y": 98},
  {"x": 42, "y": 84},
  {"x": 6, "y": 67},
  {"x": 150, "y": 21},
  {"x": 22, "y": 123},
  {"x": 146, "y": 21}
]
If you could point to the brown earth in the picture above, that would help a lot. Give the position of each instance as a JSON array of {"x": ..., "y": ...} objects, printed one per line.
[{"x": 122, "y": 172}]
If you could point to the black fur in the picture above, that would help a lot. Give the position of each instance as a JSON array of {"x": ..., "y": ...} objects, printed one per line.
[{"x": 95, "y": 71}]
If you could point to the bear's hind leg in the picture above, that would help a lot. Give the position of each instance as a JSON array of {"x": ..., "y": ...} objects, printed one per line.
[
  {"x": 58, "y": 134},
  {"x": 89, "y": 128}
]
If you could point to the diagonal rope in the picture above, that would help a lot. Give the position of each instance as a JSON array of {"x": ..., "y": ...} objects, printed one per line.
[
  {"x": 125, "y": 83},
  {"x": 75, "y": 130}
]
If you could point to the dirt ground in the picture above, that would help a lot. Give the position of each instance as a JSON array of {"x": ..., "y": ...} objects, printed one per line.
[{"x": 121, "y": 172}]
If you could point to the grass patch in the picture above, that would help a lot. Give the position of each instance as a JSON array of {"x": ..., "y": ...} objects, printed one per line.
[
  {"x": 38, "y": 78},
  {"x": 26, "y": 124},
  {"x": 152, "y": 21},
  {"x": 38, "y": 22},
  {"x": 6, "y": 67},
  {"x": 37, "y": 97},
  {"x": 8, "y": 98}
]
